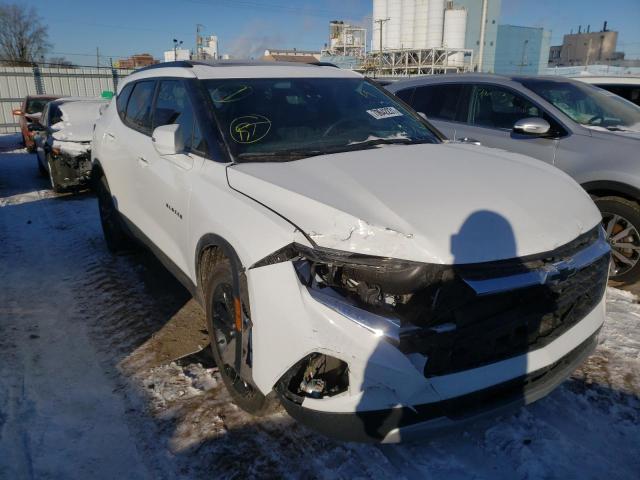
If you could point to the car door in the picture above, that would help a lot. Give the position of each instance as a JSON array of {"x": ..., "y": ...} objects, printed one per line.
[
  {"x": 494, "y": 109},
  {"x": 445, "y": 105},
  {"x": 165, "y": 184},
  {"x": 131, "y": 140}
]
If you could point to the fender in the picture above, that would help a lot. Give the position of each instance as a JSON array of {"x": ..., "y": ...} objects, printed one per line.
[{"x": 610, "y": 186}]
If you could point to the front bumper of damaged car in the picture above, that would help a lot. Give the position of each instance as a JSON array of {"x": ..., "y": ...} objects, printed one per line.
[
  {"x": 73, "y": 163},
  {"x": 392, "y": 392}
]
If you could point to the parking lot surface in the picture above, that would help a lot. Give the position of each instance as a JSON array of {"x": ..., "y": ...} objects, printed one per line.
[{"x": 100, "y": 376}]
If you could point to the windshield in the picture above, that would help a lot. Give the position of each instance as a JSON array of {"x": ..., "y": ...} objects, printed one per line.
[
  {"x": 587, "y": 105},
  {"x": 36, "y": 105},
  {"x": 280, "y": 119}
]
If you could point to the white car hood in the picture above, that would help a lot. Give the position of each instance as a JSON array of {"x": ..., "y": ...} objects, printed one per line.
[{"x": 441, "y": 203}]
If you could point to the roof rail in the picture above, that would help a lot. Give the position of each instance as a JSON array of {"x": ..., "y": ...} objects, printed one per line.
[
  {"x": 177, "y": 64},
  {"x": 230, "y": 63}
]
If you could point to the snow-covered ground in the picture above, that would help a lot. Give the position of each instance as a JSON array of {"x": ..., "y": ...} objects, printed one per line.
[{"x": 98, "y": 377}]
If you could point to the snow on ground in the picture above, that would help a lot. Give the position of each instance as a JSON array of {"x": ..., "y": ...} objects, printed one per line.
[{"x": 99, "y": 377}]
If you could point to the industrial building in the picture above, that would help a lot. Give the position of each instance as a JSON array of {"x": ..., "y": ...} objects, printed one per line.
[
  {"x": 521, "y": 50},
  {"x": 208, "y": 48},
  {"x": 418, "y": 37},
  {"x": 295, "y": 55},
  {"x": 485, "y": 56},
  {"x": 586, "y": 47},
  {"x": 440, "y": 26}
]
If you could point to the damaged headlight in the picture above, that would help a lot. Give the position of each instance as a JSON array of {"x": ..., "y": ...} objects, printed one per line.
[{"x": 384, "y": 295}]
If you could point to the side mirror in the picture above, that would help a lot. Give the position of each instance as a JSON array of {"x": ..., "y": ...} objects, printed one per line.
[
  {"x": 168, "y": 139},
  {"x": 534, "y": 126},
  {"x": 17, "y": 112},
  {"x": 35, "y": 127}
]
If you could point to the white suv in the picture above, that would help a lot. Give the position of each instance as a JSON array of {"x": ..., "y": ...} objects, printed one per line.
[{"x": 376, "y": 280}]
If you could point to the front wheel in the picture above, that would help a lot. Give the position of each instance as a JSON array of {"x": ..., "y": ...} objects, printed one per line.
[
  {"x": 621, "y": 221},
  {"x": 221, "y": 307}
]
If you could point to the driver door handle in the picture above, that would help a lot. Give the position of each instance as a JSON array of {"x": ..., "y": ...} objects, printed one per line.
[{"x": 143, "y": 161}]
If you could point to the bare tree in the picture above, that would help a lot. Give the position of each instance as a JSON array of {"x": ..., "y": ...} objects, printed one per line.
[{"x": 23, "y": 38}]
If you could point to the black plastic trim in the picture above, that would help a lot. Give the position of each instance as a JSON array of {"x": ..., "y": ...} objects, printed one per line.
[{"x": 182, "y": 277}]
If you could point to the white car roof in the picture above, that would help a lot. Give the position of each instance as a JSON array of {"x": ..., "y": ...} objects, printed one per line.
[
  {"x": 239, "y": 70},
  {"x": 605, "y": 80}
]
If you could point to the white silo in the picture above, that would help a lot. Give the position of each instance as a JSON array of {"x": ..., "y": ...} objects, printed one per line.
[
  {"x": 455, "y": 27},
  {"x": 394, "y": 25},
  {"x": 420, "y": 24},
  {"x": 408, "y": 14},
  {"x": 379, "y": 13},
  {"x": 435, "y": 23}
]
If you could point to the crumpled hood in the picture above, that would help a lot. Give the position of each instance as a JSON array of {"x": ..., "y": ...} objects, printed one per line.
[{"x": 440, "y": 203}]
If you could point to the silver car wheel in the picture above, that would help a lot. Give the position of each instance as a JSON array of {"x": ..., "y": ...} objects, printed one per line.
[{"x": 625, "y": 243}]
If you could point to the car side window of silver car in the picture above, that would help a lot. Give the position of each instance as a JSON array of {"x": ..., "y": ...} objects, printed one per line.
[
  {"x": 446, "y": 102},
  {"x": 496, "y": 107}
]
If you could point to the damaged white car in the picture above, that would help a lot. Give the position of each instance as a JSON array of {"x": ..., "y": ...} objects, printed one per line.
[
  {"x": 376, "y": 280},
  {"x": 63, "y": 140}
]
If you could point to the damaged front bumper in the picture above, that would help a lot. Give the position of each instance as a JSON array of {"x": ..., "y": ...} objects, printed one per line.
[
  {"x": 71, "y": 166},
  {"x": 488, "y": 347},
  {"x": 405, "y": 423}
]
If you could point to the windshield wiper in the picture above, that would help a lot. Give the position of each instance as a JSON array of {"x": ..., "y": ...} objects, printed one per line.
[
  {"x": 290, "y": 155},
  {"x": 281, "y": 156}
]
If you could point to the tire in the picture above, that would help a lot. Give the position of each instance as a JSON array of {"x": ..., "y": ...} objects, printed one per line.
[
  {"x": 220, "y": 319},
  {"x": 621, "y": 215},
  {"x": 53, "y": 175},
  {"x": 115, "y": 234}
]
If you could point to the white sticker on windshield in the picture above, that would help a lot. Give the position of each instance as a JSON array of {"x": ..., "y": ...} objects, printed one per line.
[{"x": 384, "y": 112}]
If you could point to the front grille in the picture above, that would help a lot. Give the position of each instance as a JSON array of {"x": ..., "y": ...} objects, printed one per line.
[{"x": 471, "y": 330}]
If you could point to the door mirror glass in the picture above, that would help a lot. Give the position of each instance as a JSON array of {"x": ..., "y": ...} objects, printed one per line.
[
  {"x": 168, "y": 139},
  {"x": 35, "y": 127},
  {"x": 532, "y": 126}
]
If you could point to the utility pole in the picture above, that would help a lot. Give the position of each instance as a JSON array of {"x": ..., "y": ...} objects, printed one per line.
[
  {"x": 176, "y": 44},
  {"x": 483, "y": 24},
  {"x": 381, "y": 22},
  {"x": 97, "y": 57}
]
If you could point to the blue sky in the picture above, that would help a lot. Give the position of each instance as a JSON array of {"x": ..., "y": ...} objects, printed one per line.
[{"x": 246, "y": 27}]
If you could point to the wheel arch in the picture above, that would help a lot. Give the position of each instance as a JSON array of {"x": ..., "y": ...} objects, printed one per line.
[
  {"x": 209, "y": 249},
  {"x": 608, "y": 188}
]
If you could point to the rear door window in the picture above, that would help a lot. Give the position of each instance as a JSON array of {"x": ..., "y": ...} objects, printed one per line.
[
  {"x": 138, "y": 110},
  {"x": 121, "y": 100},
  {"x": 443, "y": 102}
]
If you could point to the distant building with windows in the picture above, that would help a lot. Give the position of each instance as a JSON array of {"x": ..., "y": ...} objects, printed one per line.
[
  {"x": 136, "y": 61},
  {"x": 177, "y": 55},
  {"x": 586, "y": 48},
  {"x": 521, "y": 50}
]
